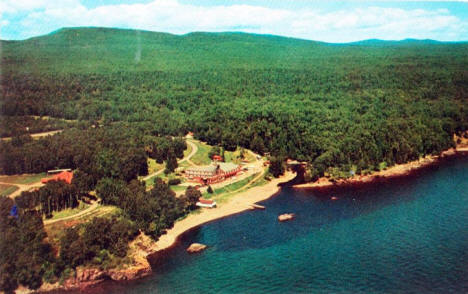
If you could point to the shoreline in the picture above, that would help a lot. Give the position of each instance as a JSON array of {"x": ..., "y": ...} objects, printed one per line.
[
  {"x": 144, "y": 249},
  {"x": 398, "y": 170},
  {"x": 238, "y": 203}
]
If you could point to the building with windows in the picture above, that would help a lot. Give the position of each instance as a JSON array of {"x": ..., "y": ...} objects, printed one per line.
[{"x": 213, "y": 173}]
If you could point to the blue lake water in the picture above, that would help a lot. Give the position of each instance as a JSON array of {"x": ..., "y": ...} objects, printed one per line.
[{"x": 403, "y": 236}]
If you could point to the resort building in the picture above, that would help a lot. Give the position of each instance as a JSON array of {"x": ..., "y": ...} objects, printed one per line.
[{"x": 213, "y": 173}]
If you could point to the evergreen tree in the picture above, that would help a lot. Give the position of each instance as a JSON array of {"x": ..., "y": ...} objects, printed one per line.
[
  {"x": 192, "y": 195},
  {"x": 276, "y": 166},
  {"x": 171, "y": 163}
]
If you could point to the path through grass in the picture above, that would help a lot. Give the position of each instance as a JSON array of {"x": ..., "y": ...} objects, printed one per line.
[
  {"x": 6, "y": 190},
  {"x": 23, "y": 179}
]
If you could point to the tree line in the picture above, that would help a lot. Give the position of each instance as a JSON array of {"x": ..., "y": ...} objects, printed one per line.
[
  {"x": 29, "y": 259},
  {"x": 54, "y": 196},
  {"x": 349, "y": 117}
]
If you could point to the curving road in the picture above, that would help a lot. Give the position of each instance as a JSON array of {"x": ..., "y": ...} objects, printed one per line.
[
  {"x": 92, "y": 207},
  {"x": 38, "y": 135},
  {"x": 187, "y": 158},
  {"x": 22, "y": 187}
]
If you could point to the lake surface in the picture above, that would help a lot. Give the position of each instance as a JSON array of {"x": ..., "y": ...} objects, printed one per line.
[{"x": 403, "y": 236}]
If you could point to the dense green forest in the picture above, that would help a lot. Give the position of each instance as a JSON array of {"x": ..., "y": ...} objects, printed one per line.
[
  {"x": 128, "y": 95},
  {"x": 19, "y": 125},
  {"x": 29, "y": 259},
  {"x": 341, "y": 107}
]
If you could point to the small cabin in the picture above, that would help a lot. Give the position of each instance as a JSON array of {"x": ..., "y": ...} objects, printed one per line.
[
  {"x": 217, "y": 158},
  {"x": 206, "y": 203},
  {"x": 65, "y": 176}
]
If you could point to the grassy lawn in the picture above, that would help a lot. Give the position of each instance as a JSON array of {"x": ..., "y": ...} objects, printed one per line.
[
  {"x": 71, "y": 211},
  {"x": 259, "y": 182},
  {"x": 234, "y": 156},
  {"x": 188, "y": 150},
  {"x": 101, "y": 211},
  {"x": 23, "y": 179},
  {"x": 228, "y": 188},
  {"x": 153, "y": 166},
  {"x": 149, "y": 182},
  {"x": 184, "y": 164},
  {"x": 201, "y": 157},
  {"x": 54, "y": 230},
  {"x": 6, "y": 190},
  {"x": 178, "y": 188}
]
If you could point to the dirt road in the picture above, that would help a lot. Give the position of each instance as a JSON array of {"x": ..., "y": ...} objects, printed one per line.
[{"x": 186, "y": 158}]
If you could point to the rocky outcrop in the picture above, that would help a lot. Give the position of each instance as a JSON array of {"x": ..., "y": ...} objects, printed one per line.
[
  {"x": 139, "y": 249},
  {"x": 85, "y": 277},
  {"x": 286, "y": 217},
  {"x": 196, "y": 247},
  {"x": 135, "y": 271}
]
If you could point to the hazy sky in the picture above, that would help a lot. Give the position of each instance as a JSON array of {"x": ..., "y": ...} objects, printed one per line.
[{"x": 330, "y": 21}]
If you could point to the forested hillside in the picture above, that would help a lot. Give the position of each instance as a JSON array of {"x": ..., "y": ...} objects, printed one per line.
[{"x": 341, "y": 107}]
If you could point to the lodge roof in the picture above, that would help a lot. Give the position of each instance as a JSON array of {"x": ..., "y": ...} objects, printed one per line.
[
  {"x": 227, "y": 166},
  {"x": 65, "y": 176},
  {"x": 224, "y": 166},
  {"x": 204, "y": 168}
]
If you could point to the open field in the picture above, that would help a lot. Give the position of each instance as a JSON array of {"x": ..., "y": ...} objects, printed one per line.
[
  {"x": 229, "y": 188},
  {"x": 25, "y": 179},
  {"x": 55, "y": 227},
  {"x": 188, "y": 150},
  {"x": 235, "y": 156},
  {"x": 153, "y": 166},
  {"x": 201, "y": 157},
  {"x": 69, "y": 212},
  {"x": 178, "y": 188},
  {"x": 6, "y": 190}
]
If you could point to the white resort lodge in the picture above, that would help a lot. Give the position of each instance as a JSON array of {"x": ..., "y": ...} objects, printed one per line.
[{"x": 213, "y": 173}]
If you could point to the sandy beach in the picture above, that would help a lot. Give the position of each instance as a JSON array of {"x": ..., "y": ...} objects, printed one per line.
[
  {"x": 238, "y": 203},
  {"x": 391, "y": 172}
]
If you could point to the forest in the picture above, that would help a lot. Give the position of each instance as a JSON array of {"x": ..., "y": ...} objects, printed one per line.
[
  {"x": 344, "y": 108},
  {"x": 340, "y": 107},
  {"x": 29, "y": 259}
]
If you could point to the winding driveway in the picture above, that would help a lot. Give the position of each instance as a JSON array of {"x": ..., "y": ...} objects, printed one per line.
[
  {"x": 38, "y": 135},
  {"x": 92, "y": 207},
  {"x": 22, "y": 187},
  {"x": 186, "y": 158}
]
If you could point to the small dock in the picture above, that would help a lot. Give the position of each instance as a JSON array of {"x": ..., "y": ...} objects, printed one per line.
[{"x": 257, "y": 206}]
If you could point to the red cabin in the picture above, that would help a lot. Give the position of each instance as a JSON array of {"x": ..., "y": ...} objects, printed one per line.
[
  {"x": 65, "y": 176},
  {"x": 217, "y": 158},
  {"x": 205, "y": 201}
]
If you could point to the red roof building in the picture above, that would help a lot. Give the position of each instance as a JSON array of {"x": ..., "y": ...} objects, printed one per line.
[
  {"x": 217, "y": 158},
  {"x": 214, "y": 173},
  {"x": 205, "y": 201},
  {"x": 65, "y": 176}
]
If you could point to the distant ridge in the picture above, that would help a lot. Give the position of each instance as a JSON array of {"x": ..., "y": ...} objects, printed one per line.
[
  {"x": 98, "y": 49},
  {"x": 233, "y": 34}
]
